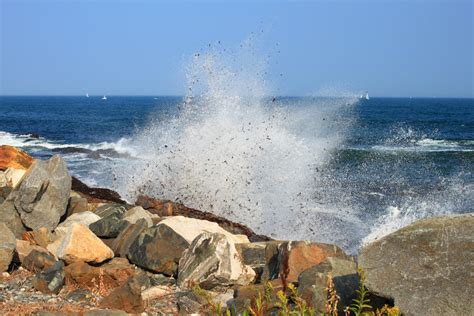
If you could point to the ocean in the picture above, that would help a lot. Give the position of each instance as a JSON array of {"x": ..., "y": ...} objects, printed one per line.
[{"x": 332, "y": 169}]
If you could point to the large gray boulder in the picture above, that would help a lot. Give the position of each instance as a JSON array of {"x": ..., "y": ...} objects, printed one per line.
[
  {"x": 7, "y": 247},
  {"x": 10, "y": 217},
  {"x": 212, "y": 262},
  {"x": 426, "y": 267},
  {"x": 42, "y": 196}
]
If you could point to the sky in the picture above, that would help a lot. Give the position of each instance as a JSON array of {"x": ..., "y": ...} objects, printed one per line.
[{"x": 415, "y": 48}]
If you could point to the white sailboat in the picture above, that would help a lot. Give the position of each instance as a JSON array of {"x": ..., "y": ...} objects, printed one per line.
[
  {"x": 104, "y": 98},
  {"x": 87, "y": 95},
  {"x": 367, "y": 95}
]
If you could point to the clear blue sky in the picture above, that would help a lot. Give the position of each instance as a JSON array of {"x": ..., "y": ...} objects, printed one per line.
[{"x": 391, "y": 48}]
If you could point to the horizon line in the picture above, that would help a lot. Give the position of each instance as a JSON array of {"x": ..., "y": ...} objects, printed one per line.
[{"x": 269, "y": 96}]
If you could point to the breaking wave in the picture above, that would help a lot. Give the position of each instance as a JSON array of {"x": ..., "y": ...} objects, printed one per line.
[{"x": 238, "y": 152}]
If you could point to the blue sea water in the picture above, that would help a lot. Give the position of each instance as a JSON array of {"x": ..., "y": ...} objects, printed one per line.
[{"x": 396, "y": 159}]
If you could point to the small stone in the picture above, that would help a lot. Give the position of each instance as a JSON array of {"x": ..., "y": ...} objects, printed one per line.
[
  {"x": 127, "y": 297},
  {"x": 50, "y": 280}
]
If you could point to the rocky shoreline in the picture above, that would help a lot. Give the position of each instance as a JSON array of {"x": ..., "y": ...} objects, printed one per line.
[{"x": 68, "y": 249}]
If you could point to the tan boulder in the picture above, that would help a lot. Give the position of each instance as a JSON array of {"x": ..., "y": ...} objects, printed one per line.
[
  {"x": 136, "y": 213},
  {"x": 80, "y": 244},
  {"x": 14, "y": 176},
  {"x": 190, "y": 228}
]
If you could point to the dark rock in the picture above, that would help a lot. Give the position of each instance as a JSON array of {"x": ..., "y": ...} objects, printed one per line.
[
  {"x": 296, "y": 256},
  {"x": 41, "y": 197},
  {"x": 262, "y": 257},
  {"x": 425, "y": 267},
  {"x": 313, "y": 282},
  {"x": 158, "y": 249},
  {"x": 127, "y": 236},
  {"x": 127, "y": 297},
  {"x": 51, "y": 280},
  {"x": 38, "y": 261},
  {"x": 9, "y": 216},
  {"x": 168, "y": 208},
  {"x": 108, "y": 227},
  {"x": 7, "y": 247},
  {"x": 95, "y": 194}
]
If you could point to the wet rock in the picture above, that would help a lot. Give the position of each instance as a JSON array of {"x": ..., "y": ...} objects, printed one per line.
[
  {"x": 190, "y": 228},
  {"x": 136, "y": 213},
  {"x": 10, "y": 217},
  {"x": 38, "y": 260},
  {"x": 213, "y": 262},
  {"x": 127, "y": 297},
  {"x": 112, "y": 274},
  {"x": 51, "y": 280},
  {"x": 168, "y": 208},
  {"x": 425, "y": 267},
  {"x": 296, "y": 256},
  {"x": 80, "y": 244},
  {"x": 121, "y": 244},
  {"x": 312, "y": 283},
  {"x": 84, "y": 218},
  {"x": 77, "y": 205},
  {"x": 95, "y": 194},
  {"x": 7, "y": 247},
  {"x": 158, "y": 249},
  {"x": 42, "y": 196},
  {"x": 11, "y": 157}
]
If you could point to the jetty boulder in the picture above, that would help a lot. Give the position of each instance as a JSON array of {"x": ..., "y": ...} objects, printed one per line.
[
  {"x": 212, "y": 262},
  {"x": 80, "y": 244},
  {"x": 121, "y": 244},
  {"x": 42, "y": 196},
  {"x": 7, "y": 247},
  {"x": 84, "y": 218},
  {"x": 190, "y": 228},
  {"x": 426, "y": 267},
  {"x": 158, "y": 249},
  {"x": 313, "y": 282},
  {"x": 11, "y": 157},
  {"x": 296, "y": 256},
  {"x": 136, "y": 213}
]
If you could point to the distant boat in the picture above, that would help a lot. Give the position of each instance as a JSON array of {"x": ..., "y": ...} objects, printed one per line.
[
  {"x": 104, "y": 98},
  {"x": 367, "y": 95},
  {"x": 87, "y": 95}
]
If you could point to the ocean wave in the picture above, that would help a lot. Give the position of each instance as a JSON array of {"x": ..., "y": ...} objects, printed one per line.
[
  {"x": 422, "y": 146},
  {"x": 120, "y": 148}
]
